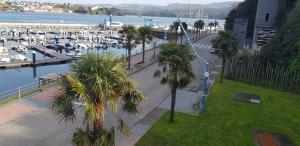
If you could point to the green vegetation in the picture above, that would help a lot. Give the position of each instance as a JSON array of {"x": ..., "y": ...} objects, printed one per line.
[
  {"x": 284, "y": 48},
  {"x": 145, "y": 34},
  {"x": 228, "y": 122},
  {"x": 175, "y": 27},
  {"x": 131, "y": 35},
  {"x": 226, "y": 43},
  {"x": 199, "y": 25},
  {"x": 177, "y": 69},
  {"x": 100, "y": 81}
]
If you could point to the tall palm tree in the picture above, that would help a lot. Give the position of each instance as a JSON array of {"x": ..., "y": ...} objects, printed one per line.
[
  {"x": 131, "y": 35},
  {"x": 211, "y": 24},
  {"x": 199, "y": 25},
  {"x": 177, "y": 69},
  {"x": 226, "y": 43},
  {"x": 99, "y": 81},
  {"x": 216, "y": 24},
  {"x": 175, "y": 27},
  {"x": 145, "y": 33}
]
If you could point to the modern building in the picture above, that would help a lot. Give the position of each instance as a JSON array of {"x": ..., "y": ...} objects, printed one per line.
[{"x": 266, "y": 15}]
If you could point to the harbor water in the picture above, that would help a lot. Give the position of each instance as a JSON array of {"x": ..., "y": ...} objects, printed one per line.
[{"x": 13, "y": 78}]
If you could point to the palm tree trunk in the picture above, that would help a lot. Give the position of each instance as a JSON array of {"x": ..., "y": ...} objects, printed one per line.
[
  {"x": 176, "y": 37},
  {"x": 173, "y": 102},
  {"x": 223, "y": 69},
  {"x": 143, "y": 41},
  {"x": 129, "y": 58},
  {"x": 173, "y": 98},
  {"x": 98, "y": 124},
  {"x": 181, "y": 38}
]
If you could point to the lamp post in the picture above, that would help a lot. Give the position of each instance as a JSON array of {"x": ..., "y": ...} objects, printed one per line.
[{"x": 204, "y": 65}]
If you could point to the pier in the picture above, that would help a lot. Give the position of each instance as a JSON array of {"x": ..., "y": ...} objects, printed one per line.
[
  {"x": 55, "y": 58},
  {"x": 47, "y": 26}
]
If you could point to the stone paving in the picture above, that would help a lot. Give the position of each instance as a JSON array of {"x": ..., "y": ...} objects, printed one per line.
[
  {"x": 30, "y": 121},
  {"x": 184, "y": 102}
]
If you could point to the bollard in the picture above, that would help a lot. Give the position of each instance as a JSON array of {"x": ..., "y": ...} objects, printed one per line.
[{"x": 33, "y": 58}]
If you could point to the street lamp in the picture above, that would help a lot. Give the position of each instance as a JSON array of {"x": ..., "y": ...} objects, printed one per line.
[{"x": 204, "y": 64}]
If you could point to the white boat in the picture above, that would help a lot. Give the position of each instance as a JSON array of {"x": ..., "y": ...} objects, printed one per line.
[
  {"x": 4, "y": 57},
  {"x": 22, "y": 49},
  {"x": 114, "y": 24},
  {"x": 75, "y": 54},
  {"x": 19, "y": 57}
]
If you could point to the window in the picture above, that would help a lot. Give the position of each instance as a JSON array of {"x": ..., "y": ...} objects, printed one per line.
[{"x": 267, "y": 17}]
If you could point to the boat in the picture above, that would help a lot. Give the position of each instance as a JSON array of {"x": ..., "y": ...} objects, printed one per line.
[
  {"x": 19, "y": 57},
  {"x": 4, "y": 57},
  {"x": 22, "y": 49},
  {"x": 75, "y": 54}
]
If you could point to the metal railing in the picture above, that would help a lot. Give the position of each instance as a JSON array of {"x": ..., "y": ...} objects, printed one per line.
[{"x": 23, "y": 90}]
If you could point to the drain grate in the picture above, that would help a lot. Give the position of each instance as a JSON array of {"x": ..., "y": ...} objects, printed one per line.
[{"x": 247, "y": 98}]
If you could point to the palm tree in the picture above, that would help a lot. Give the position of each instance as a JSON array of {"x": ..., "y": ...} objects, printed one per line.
[
  {"x": 144, "y": 34},
  {"x": 175, "y": 27},
  {"x": 226, "y": 43},
  {"x": 177, "y": 69},
  {"x": 211, "y": 24},
  {"x": 216, "y": 24},
  {"x": 98, "y": 81},
  {"x": 199, "y": 25},
  {"x": 131, "y": 35}
]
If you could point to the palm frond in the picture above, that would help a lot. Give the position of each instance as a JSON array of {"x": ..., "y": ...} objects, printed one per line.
[
  {"x": 82, "y": 137},
  {"x": 157, "y": 73},
  {"x": 131, "y": 101}
]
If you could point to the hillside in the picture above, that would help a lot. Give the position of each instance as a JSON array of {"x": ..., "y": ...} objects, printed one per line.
[{"x": 212, "y": 10}]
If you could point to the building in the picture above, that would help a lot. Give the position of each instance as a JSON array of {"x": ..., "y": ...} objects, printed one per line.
[
  {"x": 265, "y": 20},
  {"x": 240, "y": 26}
]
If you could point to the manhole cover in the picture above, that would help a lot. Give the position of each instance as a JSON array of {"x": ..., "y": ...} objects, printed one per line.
[
  {"x": 271, "y": 139},
  {"x": 247, "y": 98}
]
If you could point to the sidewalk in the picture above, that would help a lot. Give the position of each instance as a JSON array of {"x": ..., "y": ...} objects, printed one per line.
[{"x": 30, "y": 120}]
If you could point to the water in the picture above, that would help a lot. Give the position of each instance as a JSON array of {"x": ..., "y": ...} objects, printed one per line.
[
  {"x": 70, "y": 18},
  {"x": 13, "y": 78}
]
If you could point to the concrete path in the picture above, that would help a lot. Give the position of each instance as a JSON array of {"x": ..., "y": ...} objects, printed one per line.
[{"x": 30, "y": 121}]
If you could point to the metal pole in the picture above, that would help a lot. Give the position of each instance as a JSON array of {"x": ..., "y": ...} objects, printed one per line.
[
  {"x": 205, "y": 69},
  {"x": 205, "y": 93}
]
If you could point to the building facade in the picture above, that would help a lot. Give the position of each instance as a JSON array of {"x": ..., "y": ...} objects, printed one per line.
[{"x": 266, "y": 16}]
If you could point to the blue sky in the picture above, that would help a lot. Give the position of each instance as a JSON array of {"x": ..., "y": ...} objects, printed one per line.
[{"x": 154, "y": 2}]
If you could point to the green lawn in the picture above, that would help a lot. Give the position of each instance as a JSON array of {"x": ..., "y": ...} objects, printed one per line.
[{"x": 228, "y": 122}]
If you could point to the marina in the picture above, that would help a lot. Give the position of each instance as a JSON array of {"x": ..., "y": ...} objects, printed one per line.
[{"x": 58, "y": 39}]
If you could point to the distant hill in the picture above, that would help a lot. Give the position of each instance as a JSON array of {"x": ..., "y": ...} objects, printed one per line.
[{"x": 212, "y": 10}]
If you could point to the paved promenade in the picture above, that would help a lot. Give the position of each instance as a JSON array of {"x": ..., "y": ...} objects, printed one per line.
[{"x": 30, "y": 121}]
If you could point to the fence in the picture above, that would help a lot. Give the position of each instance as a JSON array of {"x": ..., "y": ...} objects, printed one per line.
[
  {"x": 23, "y": 90},
  {"x": 265, "y": 74}
]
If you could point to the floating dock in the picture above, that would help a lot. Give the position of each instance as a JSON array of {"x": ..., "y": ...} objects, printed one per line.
[{"x": 55, "y": 58}]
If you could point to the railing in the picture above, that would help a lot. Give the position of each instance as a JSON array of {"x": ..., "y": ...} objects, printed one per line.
[{"x": 23, "y": 90}]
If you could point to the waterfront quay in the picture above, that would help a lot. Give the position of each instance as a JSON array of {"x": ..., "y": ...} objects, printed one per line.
[{"x": 48, "y": 26}]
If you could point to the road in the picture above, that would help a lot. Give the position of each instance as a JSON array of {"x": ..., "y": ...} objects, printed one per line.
[{"x": 30, "y": 121}]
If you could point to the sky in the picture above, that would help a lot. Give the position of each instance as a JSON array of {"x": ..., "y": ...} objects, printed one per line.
[{"x": 153, "y": 2}]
